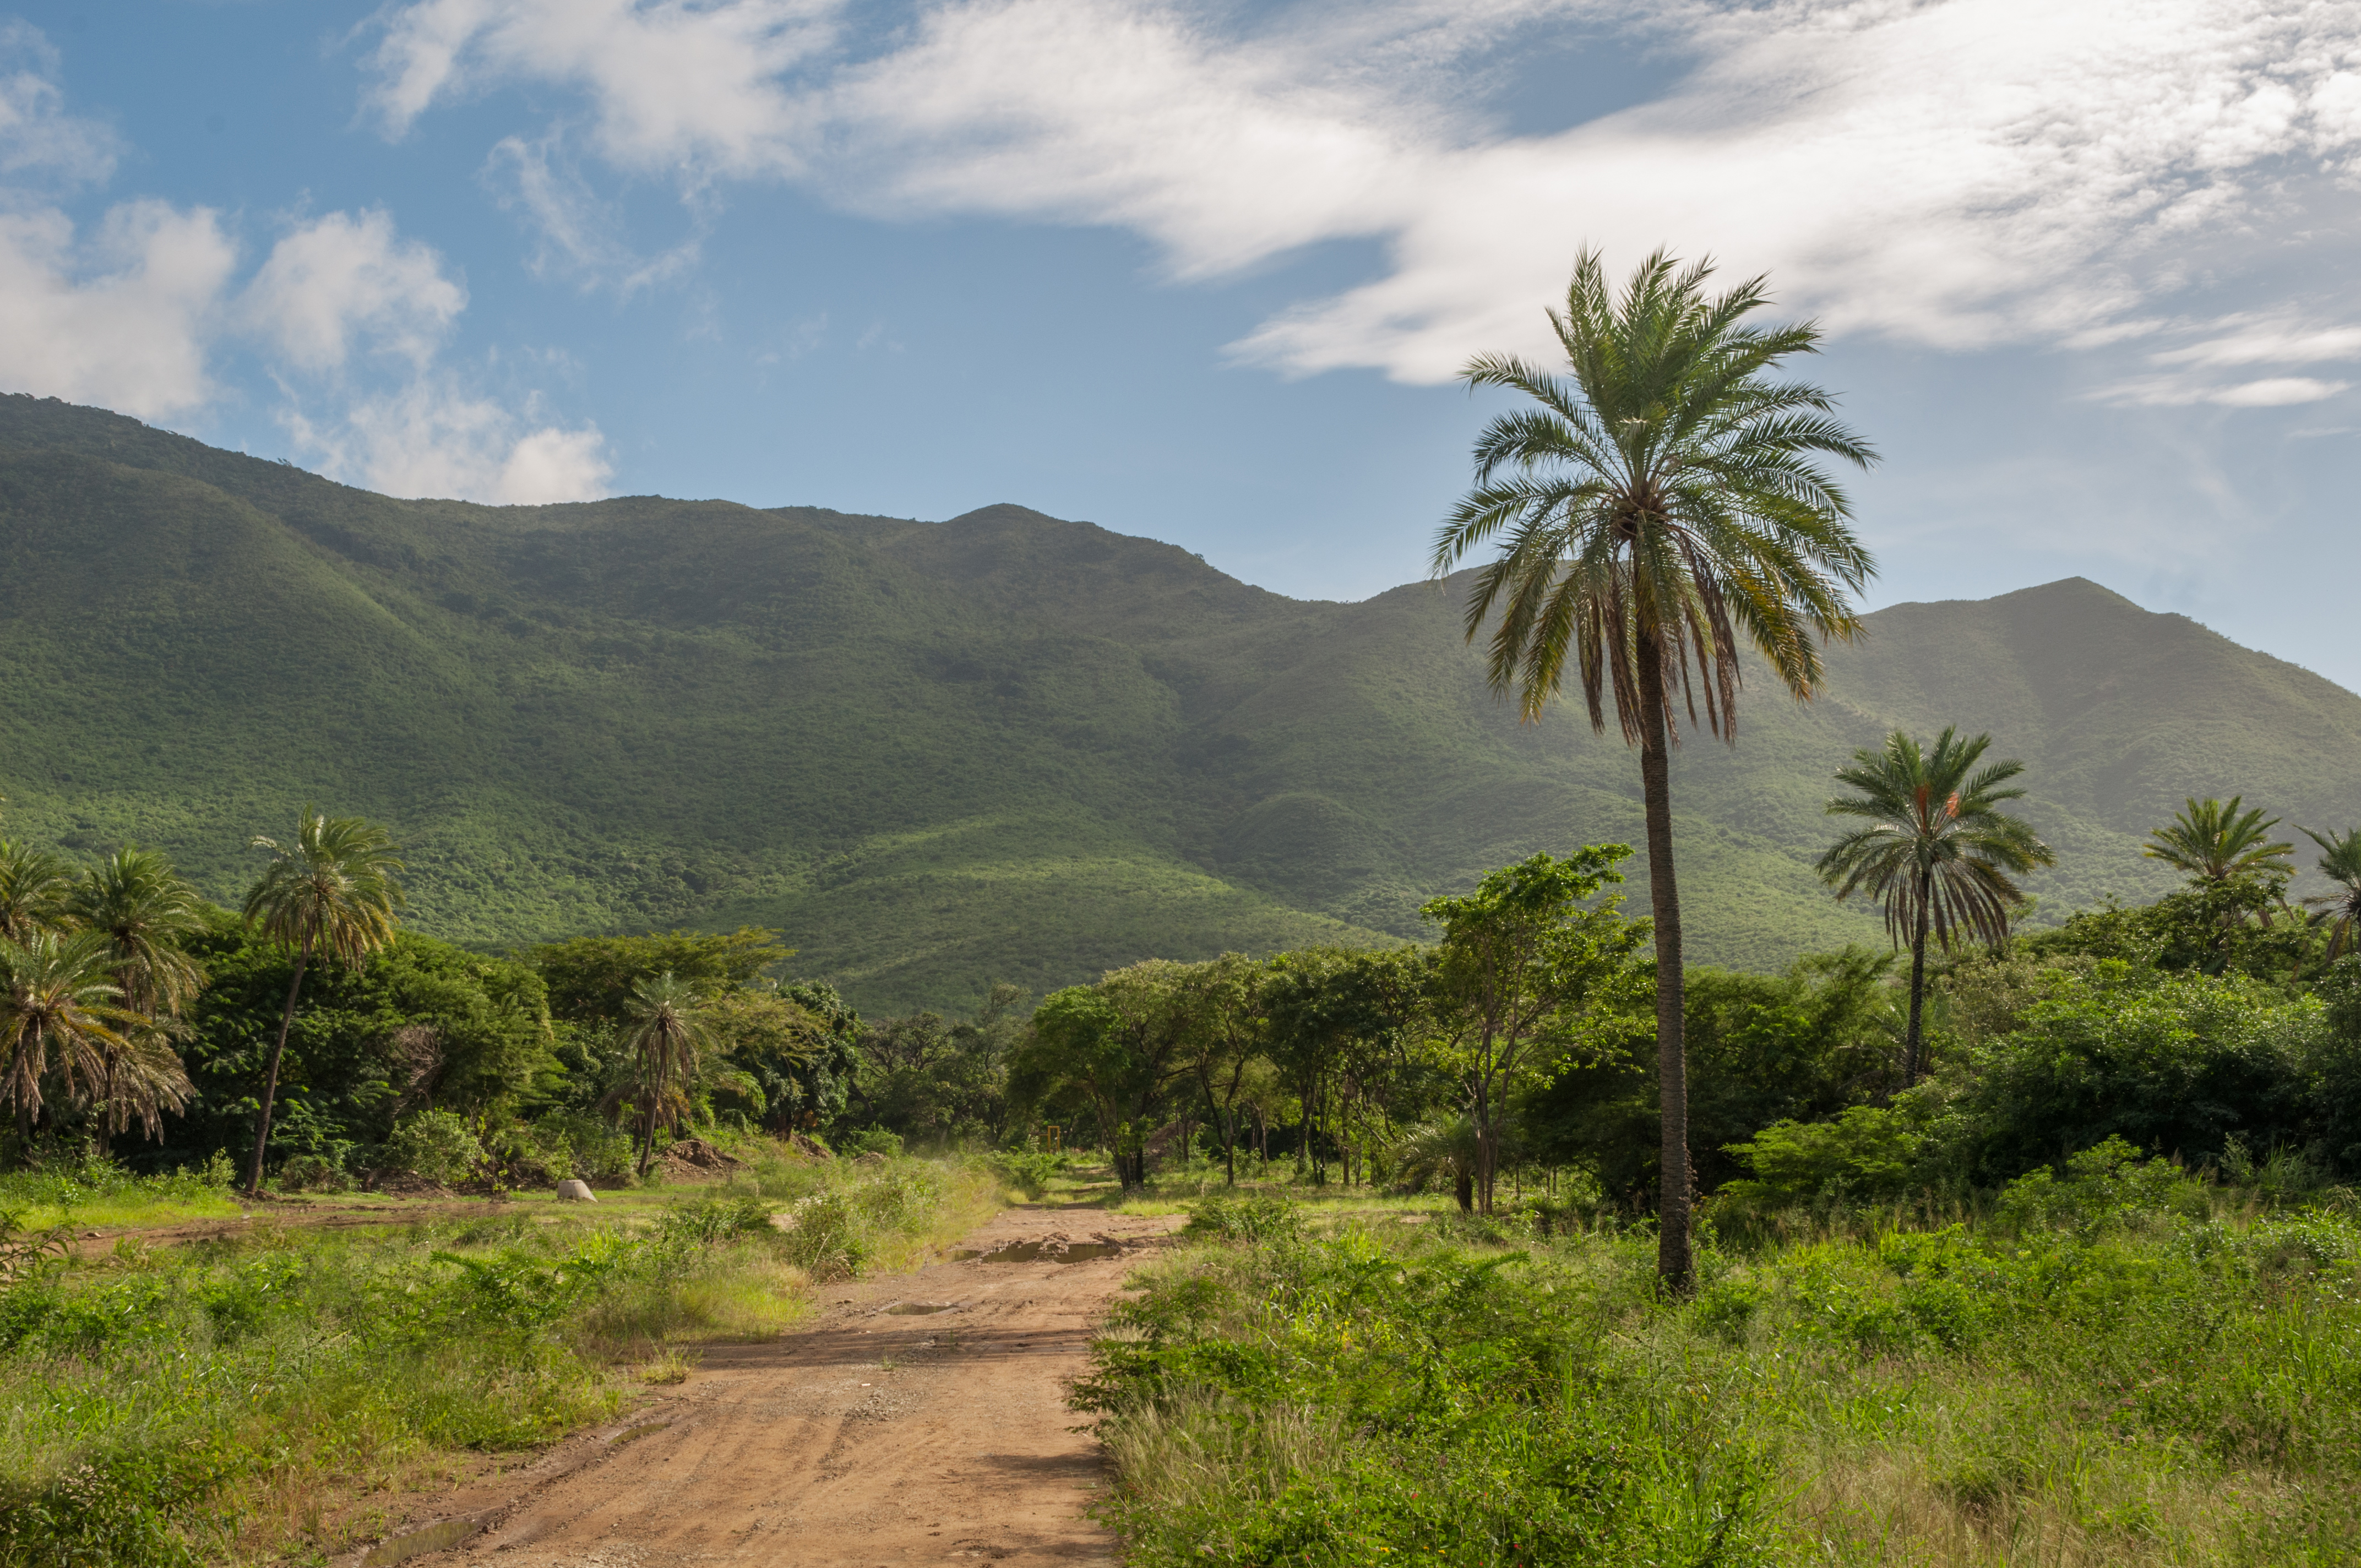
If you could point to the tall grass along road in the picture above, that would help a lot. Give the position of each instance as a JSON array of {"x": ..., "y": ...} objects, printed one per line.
[
  {"x": 2117, "y": 1366},
  {"x": 292, "y": 1393}
]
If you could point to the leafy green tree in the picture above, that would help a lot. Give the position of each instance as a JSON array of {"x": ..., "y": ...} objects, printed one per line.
[
  {"x": 2215, "y": 843},
  {"x": 1936, "y": 850},
  {"x": 2342, "y": 908},
  {"x": 667, "y": 1041},
  {"x": 1114, "y": 1050},
  {"x": 1800, "y": 1046},
  {"x": 593, "y": 977},
  {"x": 1228, "y": 1047},
  {"x": 936, "y": 1083},
  {"x": 1521, "y": 957},
  {"x": 33, "y": 889},
  {"x": 1661, "y": 504},
  {"x": 421, "y": 1025},
  {"x": 331, "y": 892},
  {"x": 59, "y": 1013}
]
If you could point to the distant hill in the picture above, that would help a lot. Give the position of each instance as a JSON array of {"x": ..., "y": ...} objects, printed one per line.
[{"x": 1000, "y": 747}]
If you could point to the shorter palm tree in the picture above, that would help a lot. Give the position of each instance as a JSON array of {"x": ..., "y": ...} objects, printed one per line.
[
  {"x": 667, "y": 1039},
  {"x": 2341, "y": 908},
  {"x": 145, "y": 909},
  {"x": 34, "y": 887},
  {"x": 59, "y": 1014},
  {"x": 2216, "y": 844},
  {"x": 1936, "y": 850},
  {"x": 332, "y": 891}
]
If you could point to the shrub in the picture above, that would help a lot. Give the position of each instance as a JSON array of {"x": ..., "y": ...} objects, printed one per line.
[
  {"x": 870, "y": 1140},
  {"x": 1250, "y": 1219},
  {"x": 434, "y": 1145}
]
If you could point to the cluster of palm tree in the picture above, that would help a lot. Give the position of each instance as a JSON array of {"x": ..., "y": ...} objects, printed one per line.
[
  {"x": 95, "y": 979},
  {"x": 94, "y": 984},
  {"x": 2222, "y": 847}
]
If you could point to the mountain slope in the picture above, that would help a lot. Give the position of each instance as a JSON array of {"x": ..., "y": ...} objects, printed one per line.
[{"x": 939, "y": 754}]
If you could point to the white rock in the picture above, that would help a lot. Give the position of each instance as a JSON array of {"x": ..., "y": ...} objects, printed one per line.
[{"x": 573, "y": 1192}]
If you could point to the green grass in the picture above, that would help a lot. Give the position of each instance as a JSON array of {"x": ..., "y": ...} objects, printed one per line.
[
  {"x": 101, "y": 1194},
  {"x": 221, "y": 1402},
  {"x": 2169, "y": 1374},
  {"x": 1005, "y": 747}
]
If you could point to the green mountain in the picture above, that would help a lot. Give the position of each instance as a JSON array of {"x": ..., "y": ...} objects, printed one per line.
[{"x": 1000, "y": 747}]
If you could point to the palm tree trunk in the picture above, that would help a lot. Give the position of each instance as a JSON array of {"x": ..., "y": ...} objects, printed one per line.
[
  {"x": 271, "y": 1074},
  {"x": 1914, "y": 1038},
  {"x": 1674, "y": 1266}
]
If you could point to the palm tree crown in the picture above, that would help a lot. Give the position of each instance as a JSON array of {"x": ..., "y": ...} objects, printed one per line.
[
  {"x": 58, "y": 1010},
  {"x": 1934, "y": 847},
  {"x": 2214, "y": 843},
  {"x": 34, "y": 885},
  {"x": 332, "y": 891},
  {"x": 1654, "y": 507},
  {"x": 1934, "y": 839},
  {"x": 1663, "y": 496},
  {"x": 2341, "y": 865},
  {"x": 144, "y": 908}
]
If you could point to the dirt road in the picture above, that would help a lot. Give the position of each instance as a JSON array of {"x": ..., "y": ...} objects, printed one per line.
[{"x": 920, "y": 1419}]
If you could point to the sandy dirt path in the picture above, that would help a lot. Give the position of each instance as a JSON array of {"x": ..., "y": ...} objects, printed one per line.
[{"x": 919, "y": 1418}]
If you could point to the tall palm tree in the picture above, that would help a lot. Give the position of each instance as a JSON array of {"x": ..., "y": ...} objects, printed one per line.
[
  {"x": 1659, "y": 503},
  {"x": 34, "y": 885},
  {"x": 331, "y": 892},
  {"x": 666, "y": 1037},
  {"x": 1935, "y": 849},
  {"x": 145, "y": 909},
  {"x": 2216, "y": 844},
  {"x": 2341, "y": 865},
  {"x": 58, "y": 1011}
]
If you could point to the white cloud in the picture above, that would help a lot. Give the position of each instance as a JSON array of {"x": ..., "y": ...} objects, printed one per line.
[
  {"x": 2259, "y": 340},
  {"x": 675, "y": 87},
  {"x": 38, "y": 137},
  {"x": 121, "y": 320},
  {"x": 432, "y": 438},
  {"x": 1957, "y": 172},
  {"x": 2270, "y": 392},
  {"x": 341, "y": 276}
]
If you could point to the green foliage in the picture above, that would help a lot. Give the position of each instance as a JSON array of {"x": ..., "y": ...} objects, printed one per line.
[
  {"x": 421, "y": 1024},
  {"x": 1865, "y": 1152},
  {"x": 435, "y": 1144},
  {"x": 2119, "y": 1358},
  {"x": 1257, "y": 1217},
  {"x": 1762, "y": 1049},
  {"x": 590, "y": 979},
  {"x": 2174, "y": 1063}
]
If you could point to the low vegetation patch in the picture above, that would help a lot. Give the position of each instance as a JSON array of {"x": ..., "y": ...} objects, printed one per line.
[{"x": 2114, "y": 1363}]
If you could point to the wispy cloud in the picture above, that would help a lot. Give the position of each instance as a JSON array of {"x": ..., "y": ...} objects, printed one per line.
[{"x": 1959, "y": 173}]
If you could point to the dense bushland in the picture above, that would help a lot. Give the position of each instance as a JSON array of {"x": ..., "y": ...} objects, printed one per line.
[{"x": 2116, "y": 1363}]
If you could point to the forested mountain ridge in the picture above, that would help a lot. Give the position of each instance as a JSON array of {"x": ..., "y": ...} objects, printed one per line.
[{"x": 1000, "y": 747}]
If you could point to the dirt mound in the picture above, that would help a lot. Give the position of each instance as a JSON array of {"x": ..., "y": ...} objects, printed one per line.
[
  {"x": 695, "y": 1159},
  {"x": 810, "y": 1147},
  {"x": 1055, "y": 1247}
]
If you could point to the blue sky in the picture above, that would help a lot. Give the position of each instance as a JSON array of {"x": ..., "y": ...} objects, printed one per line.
[{"x": 1205, "y": 272}]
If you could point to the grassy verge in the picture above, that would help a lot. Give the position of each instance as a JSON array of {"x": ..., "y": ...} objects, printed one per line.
[
  {"x": 98, "y": 1192},
  {"x": 2120, "y": 1368},
  {"x": 214, "y": 1403}
]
